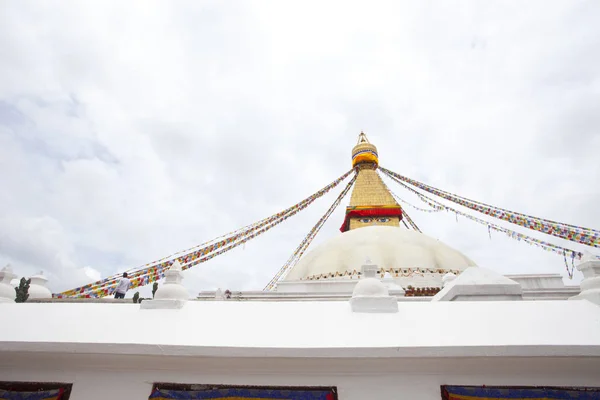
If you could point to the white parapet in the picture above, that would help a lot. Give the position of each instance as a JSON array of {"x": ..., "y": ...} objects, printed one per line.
[
  {"x": 7, "y": 291},
  {"x": 590, "y": 285}
]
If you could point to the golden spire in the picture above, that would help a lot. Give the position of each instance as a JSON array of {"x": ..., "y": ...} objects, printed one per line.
[{"x": 371, "y": 202}]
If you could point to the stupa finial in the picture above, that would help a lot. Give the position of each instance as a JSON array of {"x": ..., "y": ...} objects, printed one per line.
[
  {"x": 364, "y": 153},
  {"x": 362, "y": 138}
]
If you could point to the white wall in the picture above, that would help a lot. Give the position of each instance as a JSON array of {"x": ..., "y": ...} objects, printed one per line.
[{"x": 129, "y": 378}]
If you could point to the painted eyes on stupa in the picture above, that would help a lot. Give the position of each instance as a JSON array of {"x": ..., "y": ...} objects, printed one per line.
[{"x": 382, "y": 220}]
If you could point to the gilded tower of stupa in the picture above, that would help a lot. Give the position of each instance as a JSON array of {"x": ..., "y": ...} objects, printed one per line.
[{"x": 371, "y": 202}]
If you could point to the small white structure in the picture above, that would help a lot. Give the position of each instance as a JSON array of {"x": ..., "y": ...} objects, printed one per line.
[
  {"x": 171, "y": 294},
  {"x": 7, "y": 291},
  {"x": 219, "y": 294},
  {"x": 446, "y": 279},
  {"x": 38, "y": 288},
  {"x": 370, "y": 295},
  {"x": 590, "y": 286},
  {"x": 479, "y": 284}
]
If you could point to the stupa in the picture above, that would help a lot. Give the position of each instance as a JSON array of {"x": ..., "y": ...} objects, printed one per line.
[{"x": 371, "y": 229}]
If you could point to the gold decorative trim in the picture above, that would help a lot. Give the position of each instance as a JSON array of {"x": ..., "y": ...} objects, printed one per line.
[{"x": 395, "y": 272}]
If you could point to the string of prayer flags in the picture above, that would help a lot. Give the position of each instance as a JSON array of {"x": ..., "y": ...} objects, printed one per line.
[
  {"x": 309, "y": 237},
  {"x": 582, "y": 235},
  {"x": 510, "y": 233},
  {"x": 154, "y": 271}
]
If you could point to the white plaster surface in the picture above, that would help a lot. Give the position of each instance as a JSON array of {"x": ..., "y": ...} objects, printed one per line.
[
  {"x": 306, "y": 329},
  {"x": 167, "y": 304},
  {"x": 374, "y": 304},
  {"x": 388, "y": 247}
]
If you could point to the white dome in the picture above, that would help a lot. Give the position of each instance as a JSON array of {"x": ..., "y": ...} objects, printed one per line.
[
  {"x": 370, "y": 287},
  {"x": 171, "y": 291},
  {"x": 403, "y": 252},
  {"x": 38, "y": 289}
]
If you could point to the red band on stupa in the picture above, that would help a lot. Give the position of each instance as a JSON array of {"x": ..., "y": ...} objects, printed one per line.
[{"x": 370, "y": 212}]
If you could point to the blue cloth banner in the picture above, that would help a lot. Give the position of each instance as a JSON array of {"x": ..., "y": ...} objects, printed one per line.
[
  {"x": 243, "y": 394},
  {"x": 515, "y": 393},
  {"x": 43, "y": 395}
]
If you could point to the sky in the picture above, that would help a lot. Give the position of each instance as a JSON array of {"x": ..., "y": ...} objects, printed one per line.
[{"x": 132, "y": 130}]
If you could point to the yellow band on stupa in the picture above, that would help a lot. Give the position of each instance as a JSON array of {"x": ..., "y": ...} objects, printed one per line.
[
  {"x": 388, "y": 206},
  {"x": 364, "y": 152},
  {"x": 365, "y": 156}
]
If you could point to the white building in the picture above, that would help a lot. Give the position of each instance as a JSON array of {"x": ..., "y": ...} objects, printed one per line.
[
  {"x": 343, "y": 324},
  {"x": 477, "y": 331}
]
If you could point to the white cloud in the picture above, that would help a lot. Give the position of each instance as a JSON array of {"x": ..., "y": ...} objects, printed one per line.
[{"x": 131, "y": 131}]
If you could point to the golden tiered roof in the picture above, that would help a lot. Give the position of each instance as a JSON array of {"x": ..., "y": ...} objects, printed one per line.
[{"x": 369, "y": 190}]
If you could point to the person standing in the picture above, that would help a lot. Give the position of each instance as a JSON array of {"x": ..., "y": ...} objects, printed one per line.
[{"x": 122, "y": 287}]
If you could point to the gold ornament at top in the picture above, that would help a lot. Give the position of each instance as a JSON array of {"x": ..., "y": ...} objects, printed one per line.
[{"x": 364, "y": 154}]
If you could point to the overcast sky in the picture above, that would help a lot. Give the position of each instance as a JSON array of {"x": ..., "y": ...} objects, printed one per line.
[{"x": 131, "y": 130}]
